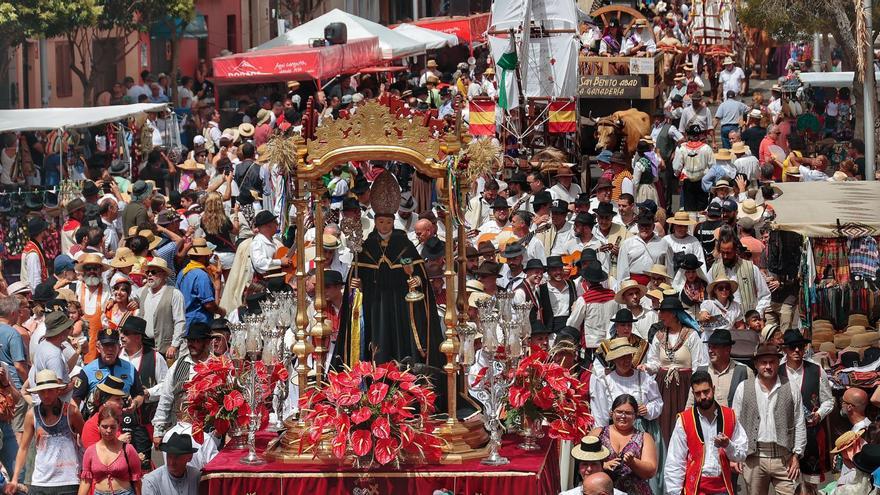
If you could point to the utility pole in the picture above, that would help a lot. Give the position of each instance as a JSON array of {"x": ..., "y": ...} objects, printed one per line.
[
  {"x": 870, "y": 94},
  {"x": 44, "y": 73}
]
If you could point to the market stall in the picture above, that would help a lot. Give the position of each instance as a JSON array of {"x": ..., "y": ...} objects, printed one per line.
[{"x": 839, "y": 259}]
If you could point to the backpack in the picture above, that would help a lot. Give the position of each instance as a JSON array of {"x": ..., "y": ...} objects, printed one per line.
[
  {"x": 209, "y": 141},
  {"x": 694, "y": 166}
]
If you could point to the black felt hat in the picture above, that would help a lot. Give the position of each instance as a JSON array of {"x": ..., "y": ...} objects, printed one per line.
[
  {"x": 198, "y": 330},
  {"x": 593, "y": 272},
  {"x": 134, "y": 324},
  {"x": 720, "y": 336},
  {"x": 623, "y": 316},
  {"x": 178, "y": 444}
]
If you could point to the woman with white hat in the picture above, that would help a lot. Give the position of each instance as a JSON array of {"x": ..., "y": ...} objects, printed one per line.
[
  {"x": 120, "y": 304},
  {"x": 719, "y": 310}
]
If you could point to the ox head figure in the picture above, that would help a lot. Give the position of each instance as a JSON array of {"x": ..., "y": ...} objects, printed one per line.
[{"x": 608, "y": 131}]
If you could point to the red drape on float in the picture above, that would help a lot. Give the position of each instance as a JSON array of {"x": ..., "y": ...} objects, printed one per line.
[{"x": 469, "y": 29}]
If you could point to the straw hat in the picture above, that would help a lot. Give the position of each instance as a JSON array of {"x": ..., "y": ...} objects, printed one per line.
[
  {"x": 722, "y": 279},
  {"x": 113, "y": 386},
  {"x": 474, "y": 286},
  {"x": 827, "y": 347},
  {"x": 476, "y": 297},
  {"x": 489, "y": 71},
  {"x": 431, "y": 63},
  {"x": 727, "y": 61},
  {"x": 590, "y": 449},
  {"x": 191, "y": 165},
  {"x": 858, "y": 319},
  {"x": 655, "y": 294},
  {"x": 91, "y": 259},
  {"x": 846, "y": 440},
  {"x": 864, "y": 340},
  {"x": 658, "y": 270},
  {"x": 124, "y": 258},
  {"x": 842, "y": 341},
  {"x": 627, "y": 285},
  {"x": 619, "y": 347},
  {"x": 680, "y": 77},
  {"x": 723, "y": 154},
  {"x": 46, "y": 380},
  {"x": 159, "y": 263},
  {"x": 750, "y": 209},
  {"x": 768, "y": 331},
  {"x": 822, "y": 323},
  {"x": 151, "y": 238},
  {"x": 200, "y": 248},
  {"x": 246, "y": 130},
  {"x": 854, "y": 330},
  {"x": 640, "y": 23},
  {"x": 739, "y": 148},
  {"x": 681, "y": 217}
]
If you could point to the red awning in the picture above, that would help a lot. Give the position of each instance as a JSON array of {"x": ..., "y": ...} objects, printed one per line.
[
  {"x": 469, "y": 29},
  {"x": 390, "y": 68},
  {"x": 296, "y": 63}
]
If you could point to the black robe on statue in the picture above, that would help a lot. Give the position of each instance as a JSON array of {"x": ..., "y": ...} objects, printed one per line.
[{"x": 388, "y": 319}]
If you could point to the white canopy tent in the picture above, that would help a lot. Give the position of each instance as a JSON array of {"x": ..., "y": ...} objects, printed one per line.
[
  {"x": 434, "y": 40},
  {"x": 42, "y": 119},
  {"x": 829, "y": 79},
  {"x": 823, "y": 209},
  {"x": 393, "y": 45}
]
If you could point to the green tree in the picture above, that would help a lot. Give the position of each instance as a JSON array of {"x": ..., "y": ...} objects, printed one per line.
[
  {"x": 175, "y": 15},
  {"x": 797, "y": 20}
]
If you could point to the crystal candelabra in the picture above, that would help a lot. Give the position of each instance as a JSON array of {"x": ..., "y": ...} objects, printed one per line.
[
  {"x": 503, "y": 326},
  {"x": 281, "y": 307}
]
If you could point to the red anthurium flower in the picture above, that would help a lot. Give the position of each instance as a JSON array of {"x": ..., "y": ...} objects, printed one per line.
[
  {"x": 233, "y": 400},
  {"x": 377, "y": 392},
  {"x": 361, "y": 442},
  {"x": 386, "y": 450},
  {"x": 543, "y": 399},
  {"x": 349, "y": 397},
  {"x": 221, "y": 426},
  {"x": 560, "y": 430},
  {"x": 338, "y": 445},
  {"x": 361, "y": 415},
  {"x": 381, "y": 427},
  {"x": 518, "y": 396},
  {"x": 363, "y": 368}
]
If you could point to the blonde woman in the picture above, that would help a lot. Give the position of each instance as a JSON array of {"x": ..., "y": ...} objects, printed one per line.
[{"x": 220, "y": 230}]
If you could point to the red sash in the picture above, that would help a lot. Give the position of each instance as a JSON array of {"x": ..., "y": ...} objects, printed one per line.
[
  {"x": 695, "y": 439},
  {"x": 31, "y": 247}
]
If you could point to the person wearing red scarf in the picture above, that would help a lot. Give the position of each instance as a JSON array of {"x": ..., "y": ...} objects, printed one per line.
[
  {"x": 594, "y": 309},
  {"x": 33, "y": 261}
]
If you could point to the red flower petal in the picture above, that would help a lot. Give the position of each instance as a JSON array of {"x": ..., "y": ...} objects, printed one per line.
[
  {"x": 233, "y": 400},
  {"x": 221, "y": 426},
  {"x": 377, "y": 392},
  {"x": 361, "y": 415},
  {"x": 518, "y": 396},
  {"x": 381, "y": 427},
  {"x": 543, "y": 399},
  {"x": 386, "y": 450},
  {"x": 338, "y": 444},
  {"x": 363, "y": 368},
  {"x": 361, "y": 442}
]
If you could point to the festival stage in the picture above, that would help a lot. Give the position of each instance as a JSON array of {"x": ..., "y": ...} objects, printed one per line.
[{"x": 529, "y": 473}]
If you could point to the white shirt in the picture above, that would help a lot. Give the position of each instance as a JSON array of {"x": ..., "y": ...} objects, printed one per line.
[
  {"x": 560, "y": 300},
  {"x": 747, "y": 165},
  {"x": 732, "y": 313},
  {"x": 826, "y": 400},
  {"x": 34, "y": 273},
  {"x": 149, "y": 300},
  {"x": 645, "y": 37},
  {"x": 638, "y": 256},
  {"x": 575, "y": 245},
  {"x": 262, "y": 252},
  {"x": 763, "y": 292},
  {"x": 563, "y": 236},
  {"x": 640, "y": 385},
  {"x": 731, "y": 80},
  {"x": 159, "y": 373},
  {"x": 567, "y": 195},
  {"x": 593, "y": 318},
  {"x": 688, "y": 245},
  {"x": 676, "y": 456},
  {"x": 767, "y": 412},
  {"x": 810, "y": 175}
]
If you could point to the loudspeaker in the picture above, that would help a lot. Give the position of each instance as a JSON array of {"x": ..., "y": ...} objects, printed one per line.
[{"x": 336, "y": 33}]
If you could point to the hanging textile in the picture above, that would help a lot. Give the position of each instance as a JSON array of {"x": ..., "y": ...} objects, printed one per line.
[
  {"x": 831, "y": 253},
  {"x": 864, "y": 260}
]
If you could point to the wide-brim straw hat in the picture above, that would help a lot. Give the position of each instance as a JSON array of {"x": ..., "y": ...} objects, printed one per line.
[
  {"x": 159, "y": 263},
  {"x": 590, "y": 449},
  {"x": 91, "y": 259},
  {"x": 864, "y": 340},
  {"x": 124, "y": 258},
  {"x": 200, "y": 248},
  {"x": 750, "y": 209},
  {"x": 46, "y": 380},
  {"x": 151, "y": 238},
  {"x": 722, "y": 280},
  {"x": 627, "y": 285},
  {"x": 658, "y": 270},
  {"x": 846, "y": 440},
  {"x": 681, "y": 217},
  {"x": 723, "y": 154},
  {"x": 618, "y": 348},
  {"x": 854, "y": 330},
  {"x": 842, "y": 341},
  {"x": 858, "y": 319},
  {"x": 739, "y": 147}
]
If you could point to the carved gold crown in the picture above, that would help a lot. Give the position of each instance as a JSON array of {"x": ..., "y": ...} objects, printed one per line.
[{"x": 372, "y": 125}]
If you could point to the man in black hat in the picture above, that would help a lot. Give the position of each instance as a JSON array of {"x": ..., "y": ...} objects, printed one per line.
[
  {"x": 592, "y": 312},
  {"x": 263, "y": 247},
  {"x": 640, "y": 252},
  {"x": 666, "y": 137},
  {"x": 352, "y": 209},
  {"x": 705, "y": 231},
  {"x": 773, "y": 417},
  {"x": 150, "y": 365},
  {"x": 562, "y": 232},
  {"x": 692, "y": 161},
  {"x": 557, "y": 296},
  {"x": 487, "y": 274},
  {"x": 108, "y": 363},
  {"x": 498, "y": 222},
  {"x": 609, "y": 232},
  {"x": 811, "y": 381},
  {"x": 527, "y": 291},
  {"x": 34, "y": 269},
  {"x": 565, "y": 188},
  {"x": 512, "y": 273},
  {"x": 171, "y": 393},
  {"x": 434, "y": 253},
  {"x": 726, "y": 374},
  {"x": 177, "y": 475},
  {"x": 584, "y": 239}
]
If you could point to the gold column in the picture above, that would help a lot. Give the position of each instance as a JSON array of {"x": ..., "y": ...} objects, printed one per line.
[
  {"x": 450, "y": 346},
  {"x": 319, "y": 332},
  {"x": 302, "y": 347}
]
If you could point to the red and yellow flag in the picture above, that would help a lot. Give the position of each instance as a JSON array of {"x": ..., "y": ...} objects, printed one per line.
[
  {"x": 482, "y": 118},
  {"x": 563, "y": 117}
]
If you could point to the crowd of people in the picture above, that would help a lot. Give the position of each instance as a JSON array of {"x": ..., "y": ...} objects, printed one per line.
[{"x": 673, "y": 312}]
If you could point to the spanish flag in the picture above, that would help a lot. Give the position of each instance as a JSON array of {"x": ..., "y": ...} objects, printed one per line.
[
  {"x": 482, "y": 118},
  {"x": 563, "y": 117}
]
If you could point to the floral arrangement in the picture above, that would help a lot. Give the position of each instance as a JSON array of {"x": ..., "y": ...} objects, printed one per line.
[
  {"x": 373, "y": 413},
  {"x": 544, "y": 390},
  {"x": 215, "y": 400}
]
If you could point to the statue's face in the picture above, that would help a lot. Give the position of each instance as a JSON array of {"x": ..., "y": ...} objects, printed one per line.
[{"x": 384, "y": 225}]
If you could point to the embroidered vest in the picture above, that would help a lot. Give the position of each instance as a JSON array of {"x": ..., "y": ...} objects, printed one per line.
[
  {"x": 695, "y": 438},
  {"x": 750, "y": 417},
  {"x": 31, "y": 247}
]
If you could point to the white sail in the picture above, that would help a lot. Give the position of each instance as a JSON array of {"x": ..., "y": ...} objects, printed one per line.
[
  {"x": 550, "y": 63},
  {"x": 549, "y": 14}
]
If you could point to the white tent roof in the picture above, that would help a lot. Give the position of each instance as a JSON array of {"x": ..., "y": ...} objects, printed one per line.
[
  {"x": 434, "y": 40},
  {"x": 821, "y": 209},
  {"x": 41, "y": 119},
  {"x": 830, "y": 79},
  {"x": 393, "y": 45}
]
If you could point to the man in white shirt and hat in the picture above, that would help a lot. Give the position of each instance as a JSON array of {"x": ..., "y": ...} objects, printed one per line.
[
  {"x": 565, "y": 188},
  {"x": 640, "y": 41}
]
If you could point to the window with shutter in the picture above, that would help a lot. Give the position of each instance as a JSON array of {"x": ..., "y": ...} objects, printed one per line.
[{"x": 63, "y": 74}]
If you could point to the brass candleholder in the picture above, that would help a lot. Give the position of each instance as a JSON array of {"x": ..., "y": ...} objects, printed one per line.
[{"x": 414, "y": 295}]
